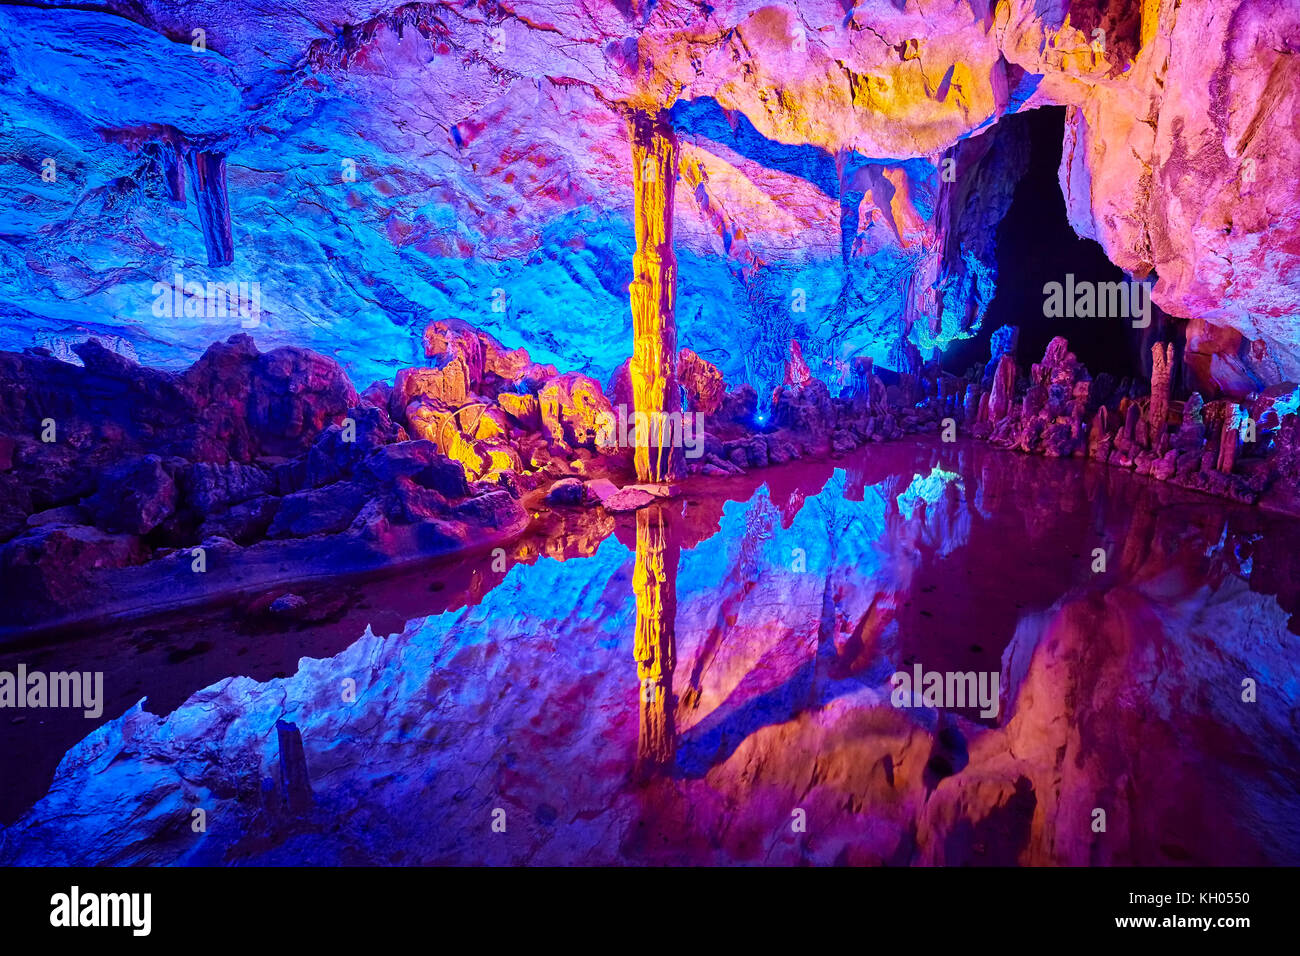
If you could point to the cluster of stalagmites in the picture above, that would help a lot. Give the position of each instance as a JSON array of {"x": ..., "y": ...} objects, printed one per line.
[{"x": 1220, "y": 447}]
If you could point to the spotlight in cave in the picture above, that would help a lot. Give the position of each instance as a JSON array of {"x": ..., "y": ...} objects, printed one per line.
[{"x": 650, "y": 435}]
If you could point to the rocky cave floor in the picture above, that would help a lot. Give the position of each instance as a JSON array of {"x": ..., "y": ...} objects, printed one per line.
[{"x": 217, "y": 539}]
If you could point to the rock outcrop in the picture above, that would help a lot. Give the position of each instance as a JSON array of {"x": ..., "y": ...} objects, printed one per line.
[{"x": 126, "y": 487}]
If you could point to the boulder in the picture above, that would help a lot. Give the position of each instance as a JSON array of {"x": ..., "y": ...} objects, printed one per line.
[
  {"x": 208, "y": 487},
  {"x": 628, "y": 499},
  {"x": 54, "y": 563},
  {"x": 418, "y": 460},
  {"x": 244, "y": 523},
  {"x": 739, "y": 406},
  {"x": 705, "y": 389},
  {"x": 451, "y": 340},
  {"x": 448, "y": 385},
  {"x": 566, "y": 491},
  {"x": 523, "y": 408},
  {"x": 619, "y": 390},
  {"x": 314, "y": 511},
  {"x": 133, "y": 497},
  {"x": 251, "y": 404},
  {"x": 601, "y": 489},
  {"x": 339, "y": 448},
  {"x": 573, "y": 408}
]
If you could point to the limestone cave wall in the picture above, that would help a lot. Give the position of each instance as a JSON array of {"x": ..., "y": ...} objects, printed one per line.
[{"x": 371, "y": 166}]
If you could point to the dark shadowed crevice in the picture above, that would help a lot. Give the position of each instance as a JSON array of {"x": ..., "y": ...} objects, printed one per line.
[{"x": 1036, "y": 245}]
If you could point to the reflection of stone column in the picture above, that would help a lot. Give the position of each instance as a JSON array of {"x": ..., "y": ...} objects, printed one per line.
[
  {"x": 653, "y": 291},
  {"x": 295, "y": 785},
  {"x": 654, "y": 582}
]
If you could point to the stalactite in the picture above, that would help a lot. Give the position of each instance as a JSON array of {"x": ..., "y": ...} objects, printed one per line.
[
  {"x": 208, "y": 173},
  {"x": 653, "y": 369},
  {"x": 861, "y": 370},
  {"x": 166, "y": 152}
]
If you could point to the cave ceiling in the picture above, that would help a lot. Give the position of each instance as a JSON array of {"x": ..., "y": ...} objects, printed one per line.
[{"x": 388, "y": 164}]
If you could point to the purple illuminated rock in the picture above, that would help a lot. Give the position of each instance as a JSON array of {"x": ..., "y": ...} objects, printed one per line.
[
  {"x": 628, "y": 499},
  {"x": 566, "y": 491},
  {"x": 134, "y": 497}
]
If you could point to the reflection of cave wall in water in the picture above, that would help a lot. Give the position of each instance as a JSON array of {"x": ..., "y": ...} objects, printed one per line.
[
  {"x": 524, "y": 696},
  {"x": 1035, "y": 246}
]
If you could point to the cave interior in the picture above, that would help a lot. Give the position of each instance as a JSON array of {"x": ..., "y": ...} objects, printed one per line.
[{"x": 711, "y": 375}]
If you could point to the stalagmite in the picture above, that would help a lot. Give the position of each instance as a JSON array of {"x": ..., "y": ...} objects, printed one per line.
[
  {"x": 654, "y": 291},
  {"x": 1004, "y": 341},
  {"x": 1004, "y": 388},
  {"x": 654, "y": 582},
  {"x": 971, "y": 405},
  {"x": 1132, "y": 416},
  {"x": 796, "y": 369},
  {"x": 1162, "y": 361},
  {"x": 1099, "y": 434},
  {"x": 1228, "y": 440}
]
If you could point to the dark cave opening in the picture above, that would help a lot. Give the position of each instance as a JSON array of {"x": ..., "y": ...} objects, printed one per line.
[{"x": 1036, "y": 245}]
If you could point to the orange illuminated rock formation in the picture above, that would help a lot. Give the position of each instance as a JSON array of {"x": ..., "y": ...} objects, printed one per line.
[{"x": 702, "y": 381}]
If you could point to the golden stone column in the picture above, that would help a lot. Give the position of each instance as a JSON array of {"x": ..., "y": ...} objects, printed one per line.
[
  {"x": 654, "y": 581},
  {"x": 653, "y": 369}
]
